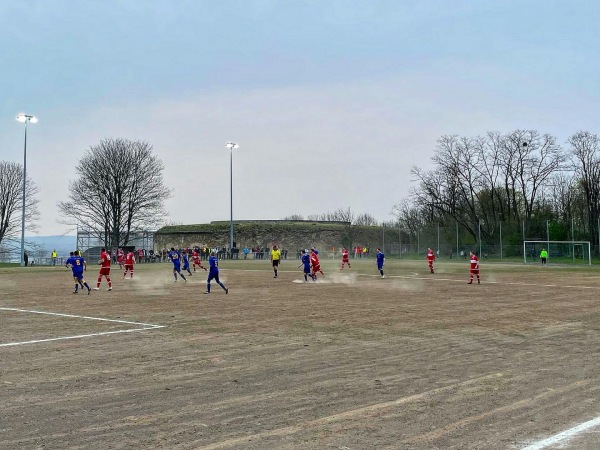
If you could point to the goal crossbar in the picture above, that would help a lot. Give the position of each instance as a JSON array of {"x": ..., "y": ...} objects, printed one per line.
[{"x": 576, "y": 250}]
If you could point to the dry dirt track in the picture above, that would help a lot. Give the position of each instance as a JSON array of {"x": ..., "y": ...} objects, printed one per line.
[{"x": 415, "y": 361}]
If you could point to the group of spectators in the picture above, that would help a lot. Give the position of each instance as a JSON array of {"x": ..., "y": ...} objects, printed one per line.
[
  {"x": 262, "y": 252},
  {"x": 225, "y": 252},
  {"x": 361, "y": 252}
]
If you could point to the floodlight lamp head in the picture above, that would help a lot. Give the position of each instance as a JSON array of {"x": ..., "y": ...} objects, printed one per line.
[
  {"x": 232, "y": 145},
  {"x": 23, "y": 118}
]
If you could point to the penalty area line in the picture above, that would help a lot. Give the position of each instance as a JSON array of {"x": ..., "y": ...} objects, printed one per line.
[
  {"x": 141, "y": 327},
  {"x": 80, "y": 336},
  {"x": 73, "y": 316},
  {"x": 567, "y": 434}
]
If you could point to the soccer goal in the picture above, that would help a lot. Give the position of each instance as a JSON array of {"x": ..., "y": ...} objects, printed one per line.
[{"x": 559, "y": 252}]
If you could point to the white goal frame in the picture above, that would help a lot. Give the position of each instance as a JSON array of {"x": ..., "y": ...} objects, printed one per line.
[{"x": 546, "y": 244}]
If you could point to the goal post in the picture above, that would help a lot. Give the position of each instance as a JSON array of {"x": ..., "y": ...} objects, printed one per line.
[{"x": 559, "y": 252}]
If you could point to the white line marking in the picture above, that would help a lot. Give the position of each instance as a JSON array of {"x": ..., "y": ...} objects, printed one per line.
[
  {"x": 567, "y": 434},
  {"x": 80, "y": 336},
  {"x": 82, "y": 317},
  {"x": 482, "y": 282},
  {"x": 145, "y": 326},
  {"x": 415, "y": 276}
]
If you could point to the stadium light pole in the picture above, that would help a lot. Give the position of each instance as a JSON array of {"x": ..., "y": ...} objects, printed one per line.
[
  {"x": 231, "y": 146},
  {"x": 24, "y": 118},
  {"x": 480, "y": 222}
]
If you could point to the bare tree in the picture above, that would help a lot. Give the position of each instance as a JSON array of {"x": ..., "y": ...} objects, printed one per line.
[
  {"x": 11, "y": 203},
  {"x": 339, "y": 215},
  {"x": 294, "y": 217},
  {"x": 530, "y": 160},
  {"x": 585, "y": 150},
  {"x": 410, "y": 217},
  {"x": 365, "y": 219},
  {"x": 453, "y": 187},
  {"x": 120, "y": 190}
]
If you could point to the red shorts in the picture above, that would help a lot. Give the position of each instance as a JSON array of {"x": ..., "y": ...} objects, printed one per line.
[
  {"x": 345, "y": 259},
  {"x": 474, "y": 270},
  {"x": 104, "y": 271},
  {"x": 316, "y": 269},
  {"x": 128, "y": 267}
]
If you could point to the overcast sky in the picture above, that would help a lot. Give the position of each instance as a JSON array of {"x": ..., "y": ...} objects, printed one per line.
[{"x": 331, "y": 102}]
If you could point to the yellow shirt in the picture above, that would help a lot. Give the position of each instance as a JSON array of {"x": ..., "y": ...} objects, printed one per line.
[{"x": 275, "y": 254}]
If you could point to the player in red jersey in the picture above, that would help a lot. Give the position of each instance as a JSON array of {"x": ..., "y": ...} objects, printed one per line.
[
  {"x": 345, "y": 259},
  {"x": 430, "y": 259},
  {"x": 104, "y": 270},
  {"x": 315, "y": 264},
  {"x": 129, "y": 263},
  {"x": 196, "y": 260},
  {"x": 474, "y": 270},
  {"x": 120, "y": 258}
]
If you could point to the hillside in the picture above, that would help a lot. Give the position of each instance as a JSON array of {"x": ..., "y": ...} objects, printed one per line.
[{"x": 289, "y": 235}]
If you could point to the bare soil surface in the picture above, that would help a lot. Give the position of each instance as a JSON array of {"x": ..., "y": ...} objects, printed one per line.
[{"x": 412, "y": 361}]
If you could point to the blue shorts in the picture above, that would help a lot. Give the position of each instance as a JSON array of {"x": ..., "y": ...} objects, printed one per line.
[
  {"x": 379, "y": 266},
  {"x": 176, "y": 268},
  {"x": 213, "y": 276},
  {"x": 307, "y": 269},
  {"x": 79, "y": 276}
]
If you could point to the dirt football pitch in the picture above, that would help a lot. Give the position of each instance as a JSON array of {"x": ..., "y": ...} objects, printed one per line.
[{"x": 412, "y": 361}]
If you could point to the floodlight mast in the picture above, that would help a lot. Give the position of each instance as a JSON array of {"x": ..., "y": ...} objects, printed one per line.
[
  {"x": 231, "y": 146},
  {"x": 24, "y": 118}
]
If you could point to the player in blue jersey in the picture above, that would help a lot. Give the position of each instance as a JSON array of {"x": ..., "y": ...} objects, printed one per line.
[
  {"x": 380, "y": 262},
  {"x": 78, "y": 265},
  {"x": 186, "y": 262},
  {"x": 213, "y": 273},
  {"x": 305, "y": 261},
  {"x": 176, "y": 260}
]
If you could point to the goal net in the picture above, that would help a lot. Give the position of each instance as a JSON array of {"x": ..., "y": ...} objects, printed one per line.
[{"x": 559, "y": 252}]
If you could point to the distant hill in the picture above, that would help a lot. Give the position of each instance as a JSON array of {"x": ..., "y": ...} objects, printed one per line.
[{"x": 62, "y": 244}]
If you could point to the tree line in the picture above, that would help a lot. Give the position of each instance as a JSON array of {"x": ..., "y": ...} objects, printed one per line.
[
  {"x": 339, "y": 215},
  {"x": 520, "y": 177},
  {"x": 476, "y": 182}
]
